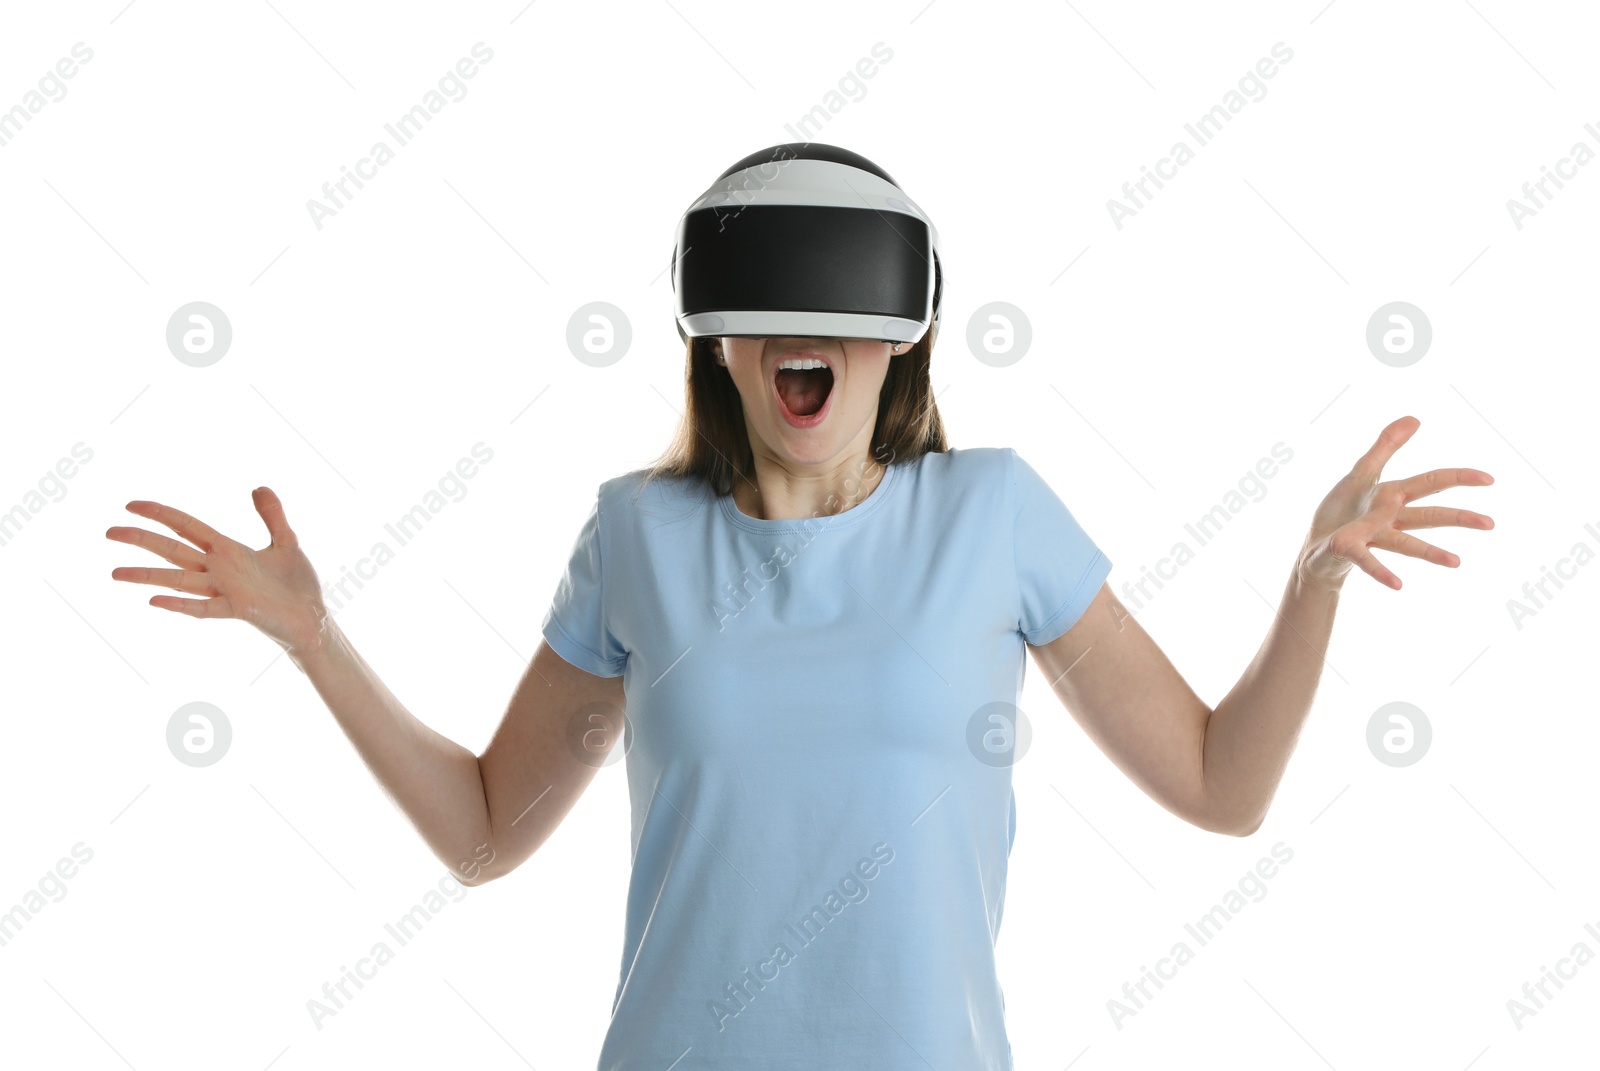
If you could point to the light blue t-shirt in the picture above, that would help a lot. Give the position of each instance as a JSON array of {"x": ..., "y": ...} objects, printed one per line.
[{"x": 821, "y": 789}]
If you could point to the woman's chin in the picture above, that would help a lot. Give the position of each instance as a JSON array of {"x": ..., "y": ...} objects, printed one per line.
[{"x": 818, "y": 444}]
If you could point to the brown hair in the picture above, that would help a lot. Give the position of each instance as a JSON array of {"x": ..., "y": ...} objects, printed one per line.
[{"x": 712, "y": 444}]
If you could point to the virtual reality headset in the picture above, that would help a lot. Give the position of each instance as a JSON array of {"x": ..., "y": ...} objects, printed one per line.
[{"x": 810, "y": 241}]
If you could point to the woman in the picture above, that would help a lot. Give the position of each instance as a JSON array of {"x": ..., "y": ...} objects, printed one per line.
[{"x": 814, "y": 610}]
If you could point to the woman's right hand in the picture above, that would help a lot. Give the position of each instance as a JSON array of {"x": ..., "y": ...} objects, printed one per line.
[{"x": 274, "y": 588}]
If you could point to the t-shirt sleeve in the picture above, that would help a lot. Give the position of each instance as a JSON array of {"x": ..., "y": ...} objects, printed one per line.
[
  {"x": 1059, "y": 568},
  {"x": 578, "y": 626}
]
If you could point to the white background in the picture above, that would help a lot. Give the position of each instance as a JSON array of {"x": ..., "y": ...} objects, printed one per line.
[{"x": 430, "y": 314}]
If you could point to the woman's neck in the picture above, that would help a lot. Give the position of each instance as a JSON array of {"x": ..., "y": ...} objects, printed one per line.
[{"x": 786, "y": 492}]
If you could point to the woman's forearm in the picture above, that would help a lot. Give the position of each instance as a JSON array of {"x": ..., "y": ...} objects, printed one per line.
[
  {"x": 434, "y": 780},
  {"x": 1252, "y": 732}
]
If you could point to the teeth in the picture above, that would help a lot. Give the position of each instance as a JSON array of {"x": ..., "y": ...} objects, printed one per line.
[{"x": 802, "y": 363}]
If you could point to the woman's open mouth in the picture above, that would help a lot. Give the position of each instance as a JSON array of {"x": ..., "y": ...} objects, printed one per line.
[{"x": 803, "y": 394}]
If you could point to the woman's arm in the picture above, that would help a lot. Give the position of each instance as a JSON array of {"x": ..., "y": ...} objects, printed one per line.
[
  {"x": 1220, "y": 768},
  {"x": 1216, "y": 768},
  {"x": 481, "y": 816},
  {"x": 434, "y": 780}
]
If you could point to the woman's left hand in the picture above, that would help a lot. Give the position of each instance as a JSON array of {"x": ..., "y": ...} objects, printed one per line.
[{"x": 1360, "y": 514}]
